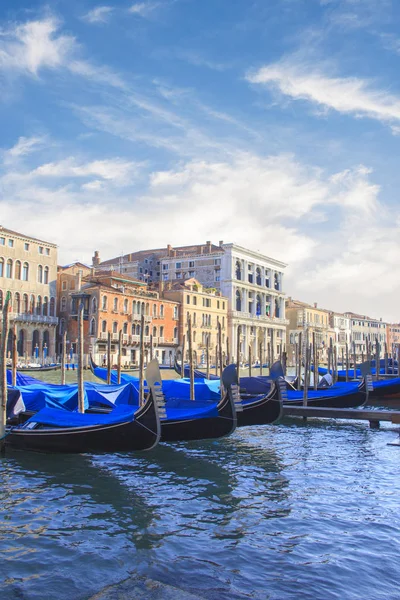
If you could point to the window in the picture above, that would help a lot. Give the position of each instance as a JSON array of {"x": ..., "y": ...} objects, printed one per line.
[
  {"x": 11, "y": 243},
  {"x": 187, "y": 299},
  {"x": 179, "y": 275},
  {"x": 104, "y": 303},
  {"x": 238, "y": 270},
  {"x": 191, "y": 264},
  {"x": 217, "y": 276},
  {"x": 64, "y": 286},
  {"x": 175, "y": 312},
  {"x": 25, "y": 305},
  {"x": 165, "y": 267},
  {"x": 258, "y": 276},
  {"x": 115, "y": 327},
  {"x": 17, "y": 302},
  {"x": 217, "y": 261},
  {"x": 104, "y": 326},
  {"x": 154, "y": 332},
  {"x": 194, "y": 300},
  {"x": 178, "y": 265},
  {"x": 9, "y": 268},
  {"x": 47, "y": 251},
  {"x": 46, "y": 275},
  {"x": 191, "y": 273},
  {"x": 45, "y": 306},
  {"x": 52, "y": 307},
  {"x": 238, "y": 301},
  {"x": 40, "y": 249},
  {"x": 125, "y": 328},
  {"x": 165, "y": 276},
  {"x": 1, "y": 267},
  {"x": 2, "y": 241},
  {"x": 161, "y": 331},
  {"x": 40, "y": 274},
  {"x": 125, "y": 305},
  {"x": 154, "y": 310},
  {"x": 18, "y": 270},
  {"x": 63, "y": 305},
  {"x": 115, "y": 304},
  {"x": 162, "y": 310},
  {"x": 175, "y": 333},
  {"x": 94, "y": 304},
  {"x": 92, "y": 327},
  {"x": 26, "y": 246}
]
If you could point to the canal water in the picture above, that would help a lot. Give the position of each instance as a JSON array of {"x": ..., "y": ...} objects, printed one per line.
[{"x": 272, "y": 512}]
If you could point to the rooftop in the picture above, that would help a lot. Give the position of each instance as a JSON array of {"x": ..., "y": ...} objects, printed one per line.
[{"x": 25, "y": 236}]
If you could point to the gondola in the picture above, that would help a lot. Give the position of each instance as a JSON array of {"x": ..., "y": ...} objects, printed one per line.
[
  {"x": 351, "y": 374},
  {"x": 186, "y": 419},
  {"x": 125, "y": 428},
  {"x": 198, "y": 374},
  {"x": 261, "y": 410},
  {"x": 40, "y": 369}
]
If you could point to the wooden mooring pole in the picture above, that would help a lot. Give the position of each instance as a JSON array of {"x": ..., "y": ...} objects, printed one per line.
[
  {"x": 109, "y": 357},
  {"x": 141, "y": 362},
  {"x": 191, "y": 366},
  {"x": 119, "y": 357},
  {"x": 228, "y": 359},
  {"x": 250, "y": 359},
  {"x": 260, "y": 352},
  {"x": 81, "y": 389},
  {"x": 183, "y": 357},
  {"x": 63, "y": 356},
  {"x": 14, "y": 354},
  {"x": 315, "y": 361},
  {"x": 3, "y": 370},
  {"x": 208, "y": 354},
  {"x": 298, "y": 359},
  {"x": 238, "y": 353}
]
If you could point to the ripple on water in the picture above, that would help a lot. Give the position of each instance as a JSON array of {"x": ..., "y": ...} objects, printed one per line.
[{"x": 272, "y": 512}]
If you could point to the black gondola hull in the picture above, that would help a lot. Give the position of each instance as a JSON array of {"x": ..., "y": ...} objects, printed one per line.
[
  {"x": 201, "y": 429},
  {"x": 260, "y": 412},
  {"x": 142, "y": 433}
]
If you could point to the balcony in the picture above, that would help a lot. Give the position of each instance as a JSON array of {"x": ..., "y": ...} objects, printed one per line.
[
  {"x": 25, "y": 318},
  {"x": 160, "y": 340},
  {"x": 260, "y": 318},
  {"x": 135, "y": 339},
  {"x": 115, "y": 337},
  {"x": 125, "y": 338},
  {"x": 103, "y": 335}
]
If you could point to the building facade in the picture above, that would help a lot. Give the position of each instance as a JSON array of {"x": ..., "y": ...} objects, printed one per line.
[
  {"x": 311, "y": 321},
  {"x": 393, "y": 338},
  {"x": 251, "y": 282},
  {"x": 113, "y": 303},
  {"x": 341, "y": 326},
  {"x": 206, "y": 308},
  {"x": 365, "y": 329},
  {"x": 28, "y": 269}
]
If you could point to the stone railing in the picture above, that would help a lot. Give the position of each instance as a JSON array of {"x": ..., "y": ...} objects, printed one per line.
[{"x": 26, "y": 318}]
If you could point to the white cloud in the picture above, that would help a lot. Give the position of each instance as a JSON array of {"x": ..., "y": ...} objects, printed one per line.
[
  {"x": 100, "y": 14},
  {"x": 33, "y": 46},
  {"x": 143, "y": 9},
  {"x": 116, "y": 170},
  {"x": 350, "y": 95},
  {"x": 23, "y": 147}
]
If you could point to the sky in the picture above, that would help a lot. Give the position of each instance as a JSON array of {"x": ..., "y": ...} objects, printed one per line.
[{"x": 273, "y": 124}]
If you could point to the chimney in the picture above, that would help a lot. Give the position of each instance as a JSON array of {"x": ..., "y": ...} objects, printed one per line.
[
  {"x": 315, "y": 305},
  {"x": 201, "y": 249},
  {"x": 160, "y": 287},
  {"x": 79, "y": 281},
  {"x": 96, "y": 258},
  {"x": 208, "y": 247},
  {"x": 221, "y": 242},
  {"x": 169, "y": 248}
]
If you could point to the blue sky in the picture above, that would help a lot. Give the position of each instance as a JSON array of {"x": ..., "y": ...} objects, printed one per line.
[{"x": 272, "y": 124}]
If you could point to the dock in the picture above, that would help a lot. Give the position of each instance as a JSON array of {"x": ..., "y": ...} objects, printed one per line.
[{"x": 359, "y": 414}]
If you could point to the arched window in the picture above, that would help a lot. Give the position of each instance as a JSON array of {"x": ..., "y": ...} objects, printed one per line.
[
  {"x": 115, "y": 327},
  {"x": 238, "y": 270},
  {"x": 25, "y": 272},
  {"x": 154, "y": 310},
  {"x": 40, "y": 274},
  {"x": 46, "y": 275},
  {"x": 104, "y": 326},
  {"x": 147, "y": 331},
  {"x": 17, "y": 302},
  {"x": 18, "y": 271},
  {"x": 175, "y": 312},
  {"x": 63, "y": 305},
  {"x": 45, "y": 306},
  {"x": 25, "y": 305},
  {"x": 94, "y": 304},
  {"x": 32, "y": 304},
  {"x": 1, "y": 267},
  {"x": 154, "y": 331},
  {"x": 115, "y": 304},
  {"x": 187, "y": 318},
  {"x": 104, "y": 303},
  {"x": 238, "y": 301},
  {"x": 52, "y": 306},
  {"x": 276, "y": 281},
  {"x": 9, "y": 268},
  {"x": 175, "y": 333},
  {"x": 147, "y": 309},
  {"x": 267, "y": 278},
  {"x": 126, "y": 305},
  {"x": 93, "y": 327},
  {"x": 161, "y": 331},
  {"x": 133, "y": 329},
  {"x": 143, "y": 308},
  {"x": 194, "y": 336},
  {"x": 62, "y": 326},
  {"x": 137, "y": 329},
  {"x": 258, "y": 276},
  {"x": 133, "y": 306},
  {"x": 125, "y": 328},
  {"x": 258, "y": 305},
  {"x": 162, "y": 311},
  {"x": 39, "y": 305}
]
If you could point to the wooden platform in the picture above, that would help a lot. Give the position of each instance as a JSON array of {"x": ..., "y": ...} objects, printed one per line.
[{"x": 360, "y": 414}]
